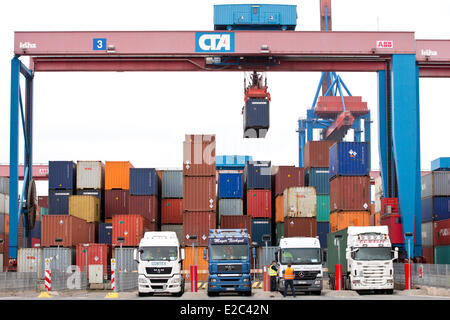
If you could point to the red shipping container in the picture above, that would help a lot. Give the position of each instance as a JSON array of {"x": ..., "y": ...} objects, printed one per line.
[
  {"x": 441, "y": 233},
  {"x": 97, "y": 254},
  {"x": 43, "y": 201},
  {"x": 393, "y": 221},
  {"x": 4, "y": 247},
  {"x": 198, "y": 224},
  {"x": 171, "y": 211},
  {"x": 259, "y": 203},
  {"x": 236, "y": 222},
  {"x": 288, "y": 176},
  {"x": 70, "y": 229},
  {"x": 199, "y": 155},
  {"x": 116, "y": 202},
  {"x": 300, "y": 227},
  {"x": 35, "y": 242},
  {"x": 350, "y": 193},
  {"x": 131, "y": 227},
  {"x": 199, "y": 194},
  {"x": 392, "y": 202},
  {"x": 428, "y": 254},
  {"x": 146, "y": 206},
  {"x": 317, "y": 153}
]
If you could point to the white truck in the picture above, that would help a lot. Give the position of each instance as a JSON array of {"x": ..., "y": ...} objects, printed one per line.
[
  {"x": 305, "y": 256},
  {"x": 159, "y": 259},
  {"x": 366, "y": 256}
]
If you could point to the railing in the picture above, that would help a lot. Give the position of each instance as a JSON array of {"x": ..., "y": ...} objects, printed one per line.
[
  {"x": 18, "y": 281},
  {"x": 433, "y": 275}
]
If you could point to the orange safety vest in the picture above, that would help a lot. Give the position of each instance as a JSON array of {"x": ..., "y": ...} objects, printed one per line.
[{"x": 289, "y": 274}]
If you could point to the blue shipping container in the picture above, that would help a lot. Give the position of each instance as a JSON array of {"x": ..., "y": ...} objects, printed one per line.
[
  {"x": 105, "y": 233},
  {"x": 230, "y": 186},
  {"x": 318, "y": 178},
  {"x": 441, "y": 164},
  {"x": 36, "y": 231},
  {"x": 261, "y": 227},
  {"x": 349, "y": 159},
  {"x": 58, "y": 201},
  {"x": 323, "y": 228},
  {"x": 232, "y": 162},
  {"x": 143, "y": 182},
  {"x": 441, "y": 208},
  {"x": 251, "y": 17},
  {"x": 62, "y": 175},
  {"x": 258, "y": 175},
  {"x": 256, "y": 114}
]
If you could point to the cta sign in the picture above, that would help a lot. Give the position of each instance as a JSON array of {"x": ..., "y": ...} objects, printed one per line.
[{"x": 214, "y": 42}]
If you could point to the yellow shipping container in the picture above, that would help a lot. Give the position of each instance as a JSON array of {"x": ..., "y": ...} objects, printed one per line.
[
  {"x": 342, "y": 219},
  {"x": 85, "y": 207},
  {"x": 279, "y": 209},
  {"x": 202, "y": 264}
]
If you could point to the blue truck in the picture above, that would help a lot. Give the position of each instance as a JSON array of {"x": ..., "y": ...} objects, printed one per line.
[{"x": 228, "y": 255}]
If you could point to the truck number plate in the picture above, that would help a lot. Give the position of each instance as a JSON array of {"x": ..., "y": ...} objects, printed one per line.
[
  {"x": 230, "y": 289},
  {"x": 300, "y": 282}
]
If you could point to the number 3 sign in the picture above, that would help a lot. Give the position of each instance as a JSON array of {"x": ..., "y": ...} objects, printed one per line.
[{"x": 99, "y": 44}]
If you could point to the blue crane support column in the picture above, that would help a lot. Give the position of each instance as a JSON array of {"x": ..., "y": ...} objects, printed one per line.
[
  {"x": 406, "y": 143},
  {"x": 301, "y": 142},
  {"x": 382, "y": 130}
]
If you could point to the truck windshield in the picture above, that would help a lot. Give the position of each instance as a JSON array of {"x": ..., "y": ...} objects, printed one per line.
[
  {"x": 375, "y": 253},
  {"x": 228, "y": 252},
  {"x": 300, "y": 256},
  {"x": 159, "y": 253}
]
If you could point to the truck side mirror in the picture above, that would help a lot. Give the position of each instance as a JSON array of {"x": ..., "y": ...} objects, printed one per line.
[
  {"x": 348, "y": 253},
  {"x": 205, "y": 253},
  {"x": 135, "y": 255},
  {"x": 396, "y": 253},
  {"x": 183, "y": 256}
]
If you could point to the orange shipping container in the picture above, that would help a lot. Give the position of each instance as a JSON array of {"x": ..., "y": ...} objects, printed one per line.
[
  {"x": 279, "y": 209},
  {"x": 117, "y": 175},
  {"x": 71, "y": 230},
  {"x": 202, "y": 264},
  {"x": 131, "y": 227},
  {"x": 378, "y": 219},
  {"x": 343, "y": 219}
]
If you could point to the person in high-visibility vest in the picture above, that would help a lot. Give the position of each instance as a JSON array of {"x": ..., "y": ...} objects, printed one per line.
[
  {"x": 289, "y": 276},
  {"x": 273, "y": 276}
]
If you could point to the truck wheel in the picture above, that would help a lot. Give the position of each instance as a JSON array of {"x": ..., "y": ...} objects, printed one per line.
[
  {"x": 142, "y": 294},
  {"x": 212, "y": 294},
  {"x": 390, "y": 291},
  {"x": 317, "y": 293},
  {"x": 248, "y": 293}
]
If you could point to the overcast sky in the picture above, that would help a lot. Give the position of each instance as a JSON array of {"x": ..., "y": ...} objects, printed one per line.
[{"x": 143, "y": 116}]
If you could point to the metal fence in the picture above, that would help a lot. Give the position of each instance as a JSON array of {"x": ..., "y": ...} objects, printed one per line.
[
  {"x": 18, "y": 281},
  {"x": 126, "y": 281},
  {"x": 433, "y": 275},
  {"x": 69, "y": 281}
]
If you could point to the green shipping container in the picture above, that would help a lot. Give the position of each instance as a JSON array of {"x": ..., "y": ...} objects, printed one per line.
[
  {"x": 332, "y": 257},
  {"x": 279, "y": 232},
  {"x": 442, "y": 255},
  {"x": 323, "y": 208},
  {"x": 44, "y": 211}
]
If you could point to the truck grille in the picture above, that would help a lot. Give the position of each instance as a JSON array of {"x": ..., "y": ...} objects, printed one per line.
[
  {"x": 229, "y": 268},
  {"x": 159, "y": 280},
  {"x": 373, "y": 274},
  {"x": 153, "y": 270},
  {"x": 306, "y": 275}
]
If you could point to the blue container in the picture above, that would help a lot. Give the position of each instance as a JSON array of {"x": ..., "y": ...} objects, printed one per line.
[
  {"x": 318, "y": 178},
  {"x": 105, "y": 233},
  {"x": 62, "y": 175},
  {"x": 230, "y": 186},
  {"x": 36, "y": 231},
  {"x": 255, "y": 17},
  {"x": 427, "y": 209},
  {"x": 441, "y": 164},
  {"x": 261, "y": 227},
  {"x": 58, "y": 201},
  {"x": 323, "y": 228},
  {"x": 349, "y": 159},
  {"x": 441, "y": 208},
  {"x": 231, "y": 162},
  {"x": 258, "y": 175},
  {"x": 143, "y": 182},
  {"x": 256, "y": 118}
]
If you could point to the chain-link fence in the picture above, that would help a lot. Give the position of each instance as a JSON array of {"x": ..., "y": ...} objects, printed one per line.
[
  {"x": 18, "y": 281},
  {"x": 433, "y": 275},
  {"x": 126, "y": 281},
  {"x": 61, "y": 281}
]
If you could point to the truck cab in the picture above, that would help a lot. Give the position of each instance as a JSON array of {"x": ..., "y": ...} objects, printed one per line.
[
  {"x": 228, "y": 256},
  {"x": 305, "y": 256},
  {"x": 159, "y": 259}
]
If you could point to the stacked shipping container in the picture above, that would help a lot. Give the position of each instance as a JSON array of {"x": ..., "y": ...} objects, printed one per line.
[
  {"x": 4, "y": 222},
  {"x": 172, "y": 202}
]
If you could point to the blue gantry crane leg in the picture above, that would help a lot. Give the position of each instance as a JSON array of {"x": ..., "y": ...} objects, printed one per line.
[{"x": 17, "y": 110}]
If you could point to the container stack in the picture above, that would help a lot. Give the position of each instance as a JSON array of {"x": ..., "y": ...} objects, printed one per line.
[
  {"x": 300, "y": 212},
  {"x": 4, "y": 222},
  {"x": 230, "y": 193},
  {"x": 117, "y": 186},
  {"x": 317, "y": 176},
  {"x": 349, "y": 185},
  {"x": 257, "y": 179},
  {"x": 390, "y": 216},
  {"x": 172, "y": 202},
  {"x": 199, "y": 188},
  {"x": 436, "y": 211},
  {"x": 62, "y": 184}
]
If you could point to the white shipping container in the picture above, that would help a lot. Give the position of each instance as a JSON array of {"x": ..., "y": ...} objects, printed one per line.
[
  {"x": 436, "y": 183},
  {"x": 90, "y": 175},
  {"x": 300, "y": 202},
  {"x": 2, "y": 203},
  {"x": 427, "y": 234},
  {"x": 29, "y": 260},
  {"x": 61, "y": 259},
  {"x": 7, "y": 204}
]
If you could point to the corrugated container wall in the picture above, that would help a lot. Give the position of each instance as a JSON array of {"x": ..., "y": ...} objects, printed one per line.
[
  {"x": 441, "y": 208},
  {"x": 230, "y": 185},
  {"x": 62, "y": 175},
  {"x": 59, "y": 201},
  {"x": 436, "y": 183},
  {"x": 177, "y": 228},
  {"x": 323, "y": 228},
  {"x": 427, "y": 209},
  {"x": 131, "y": 228},
  {"x": 441, "y": 236},
  {"x": 66, "y": 258},
  {"x": 29, "y": 260},
  {"x": 288, "y": 176},
  {"x": 265, "y": 256},
  {"x": 279, "y": 208},
  {"x": 97, "y": 254},
  {"x": 442, "y": 255},
  {"x": 231, "y": 207},
  {"x": 105, "y": 233},
  {"x": 256, "y": 117},
  {"x": 349, "y": 159},
  {"x": 171, "y": 211},
  {"x": 43, "y": 201},
  {"x": 323, "y": 208},
  {"x": 317, "y": 153},
  {"x": 90, "y": 175},
  {"x": 117, "y": 175},
  {"x": 36, "y": 231},
  {"x": 261, "y": 227},
  {"x": 236, "y": 222},
  {"x": 143, "y": 182},
  {"x": 257, "y": 175},
  {"x": 2, "y": 203},
  {"x": 300, "y": 202},
  {"x": 318, "y": 178},
  {"x": 199, "y": 193},
  {"x": 146, "y": 206},
  {"x": 198, "y": 224},
  {"x": 71, "y": 230},
  {"x": 259, "y": 203},
  {"x": 393, "y": 221},
  {"x": 427, "y": 234},
  {"x": 350, "y": 193},
  {"x": 4, "y": 185},
  {"x": 85, "y": 207},
  {"x": 200, "y": 262},
  {"x": 124, "y": 259},
  {"x": 428, "y": 254},
  {"x": 172, "y": 184},
  {"x": 344, "y": 219},
  {"x": 199, "y": 155},
  {"x": 300, "y": 227},
  {"x": 116, "y": 202}
]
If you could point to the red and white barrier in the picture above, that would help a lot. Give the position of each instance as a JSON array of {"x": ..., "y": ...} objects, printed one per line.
[
  {"x": 48, "y": 275},
  {"x": 113, "y": 274},
  {"x": 193, "y": 278}
]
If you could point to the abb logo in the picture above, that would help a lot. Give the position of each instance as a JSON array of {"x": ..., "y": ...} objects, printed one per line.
[{"x": 385, "y": 44}]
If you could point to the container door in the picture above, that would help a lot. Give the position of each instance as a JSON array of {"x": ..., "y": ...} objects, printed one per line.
[{"x": 95, "y": 273}]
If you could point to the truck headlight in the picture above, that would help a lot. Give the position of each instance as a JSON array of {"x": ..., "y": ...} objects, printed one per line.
[
  {"x": 142, "y": 280},
  {"x": 213, "y": 280},
  {"x": 176, "y": 280},
  {"x": 318, "y": 281},
  {"x": 246, "y": 279}
]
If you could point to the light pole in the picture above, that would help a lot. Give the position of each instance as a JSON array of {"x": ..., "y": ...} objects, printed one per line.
[
  {"x": 121, "y": 240},
  {"x": 337, "y": 238},
  {"x": 409, "y": 235},
  {"x": 254, "y": 244},
  {"x": 86, "y": 246}
]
